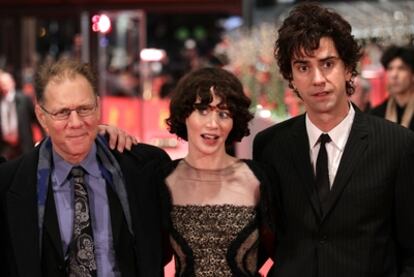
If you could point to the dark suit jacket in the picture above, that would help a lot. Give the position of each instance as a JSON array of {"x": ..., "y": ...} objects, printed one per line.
[
  {"x": 19, "y": 234},
  {"x": 25, "y": 118},
  {"x": 369, "y": 227}
]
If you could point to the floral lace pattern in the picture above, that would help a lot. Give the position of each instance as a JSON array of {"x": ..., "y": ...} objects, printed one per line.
[{"x": 209, "y": 231}]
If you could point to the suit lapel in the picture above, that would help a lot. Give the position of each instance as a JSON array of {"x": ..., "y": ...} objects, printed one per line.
[
  {"x": 129, "y": 170},
  {"x": 301, "y": 158},
  {"x": 353, "y": 153},
  {"x": 23, "y": 218},
  {"x": 19, "y": 105},
  {"x": 116, "y": 213},
  {"x": 51, "y": 225}
]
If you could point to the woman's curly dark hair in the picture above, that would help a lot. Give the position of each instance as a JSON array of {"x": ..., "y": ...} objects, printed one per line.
[
  {"x": 198, "y": 85},
  {"x": 306, "y": 24}
]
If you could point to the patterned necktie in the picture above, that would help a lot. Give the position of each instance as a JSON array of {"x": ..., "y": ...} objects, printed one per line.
[
  {"x": 322, "y": 174},
  {"x": 82, "y": 251}
]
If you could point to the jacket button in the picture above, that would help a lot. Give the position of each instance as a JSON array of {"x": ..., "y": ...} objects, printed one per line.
[{"x": 324, "y": 239}]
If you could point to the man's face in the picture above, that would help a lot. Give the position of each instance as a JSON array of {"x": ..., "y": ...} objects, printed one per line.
[
  {"x": 6, "y": 83},
  {"x": 73, "y": 137},
  {"x": 320, "y": 80},
  {"x": 400, "y": 78}
]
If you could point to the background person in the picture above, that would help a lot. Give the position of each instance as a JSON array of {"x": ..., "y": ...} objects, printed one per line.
[
  {"x": 399, "y": 69},
  {"x": 16, "y": 118}
]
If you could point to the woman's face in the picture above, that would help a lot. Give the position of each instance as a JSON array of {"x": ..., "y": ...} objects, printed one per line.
[{"x": 208, "y": 128}]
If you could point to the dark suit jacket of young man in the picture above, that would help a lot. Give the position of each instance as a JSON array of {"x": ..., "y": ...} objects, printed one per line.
[
  {"x": 25, "y": 118},
  {"x": 140, "y": 255},
  {"x": 369, "y": 227}
]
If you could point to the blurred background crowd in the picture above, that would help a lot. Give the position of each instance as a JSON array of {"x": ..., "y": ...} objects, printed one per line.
[{"x": 141, "y": 48}]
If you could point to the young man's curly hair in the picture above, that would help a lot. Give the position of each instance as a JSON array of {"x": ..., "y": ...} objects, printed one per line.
[
  {"x": 198, "y": 85},
  {"x": 301, "y": 32}
]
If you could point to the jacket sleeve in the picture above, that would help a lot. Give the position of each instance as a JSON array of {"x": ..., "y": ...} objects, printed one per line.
[
  {"x": 404, "y": 211},
  {"x": 257, "y": 146},
  {"x": 150, "y": 154}
]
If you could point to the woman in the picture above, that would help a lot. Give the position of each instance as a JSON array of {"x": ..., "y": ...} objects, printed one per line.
[{"x": 213, "y": 204}]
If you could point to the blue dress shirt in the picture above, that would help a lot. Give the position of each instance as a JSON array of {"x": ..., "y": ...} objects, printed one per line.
[{"x": 99, "y": 207}]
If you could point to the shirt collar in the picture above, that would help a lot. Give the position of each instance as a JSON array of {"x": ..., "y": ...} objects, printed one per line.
[
  {"x": 62, "y": 168},
  {"x": 339, "y": 134}
]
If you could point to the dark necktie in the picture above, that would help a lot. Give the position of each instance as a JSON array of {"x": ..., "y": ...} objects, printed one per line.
[
  {"x": 82, "y": 250},
  {"x": 322, "y": 174}
]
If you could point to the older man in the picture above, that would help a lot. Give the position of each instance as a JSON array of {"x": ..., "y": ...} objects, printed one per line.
[{"x": 72, "y": 207}]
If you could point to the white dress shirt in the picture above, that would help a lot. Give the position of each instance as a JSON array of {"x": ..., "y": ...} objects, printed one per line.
[
  {"x": 8, "y": 114},
  {"x": 335, "y": 148}
]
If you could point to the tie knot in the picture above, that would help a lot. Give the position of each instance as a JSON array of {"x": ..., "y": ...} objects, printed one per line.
[
  {"x": 77, "y": 171},
  {"x": 324, "y": 138}
]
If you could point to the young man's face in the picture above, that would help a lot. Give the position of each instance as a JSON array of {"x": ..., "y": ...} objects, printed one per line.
[
  {"x": 320, "y": 80},
  {"x": 400, "y": 78}
]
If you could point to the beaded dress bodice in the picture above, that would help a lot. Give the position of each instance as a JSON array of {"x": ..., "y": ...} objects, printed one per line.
[{"x": 214, "y": 229}]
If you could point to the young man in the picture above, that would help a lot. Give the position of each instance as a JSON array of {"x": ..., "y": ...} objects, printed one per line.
[
  {"x": 399, "y": 67},
  {"x": 343, "y": 180},
  {"x": 72, "y": 207}
]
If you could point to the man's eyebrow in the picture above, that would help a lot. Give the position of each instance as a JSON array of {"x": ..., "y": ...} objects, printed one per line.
[
  {"x": 304, "y": 61},
  {"x": 300, "y": 61},
  {"x": 329, "y": 58}
]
